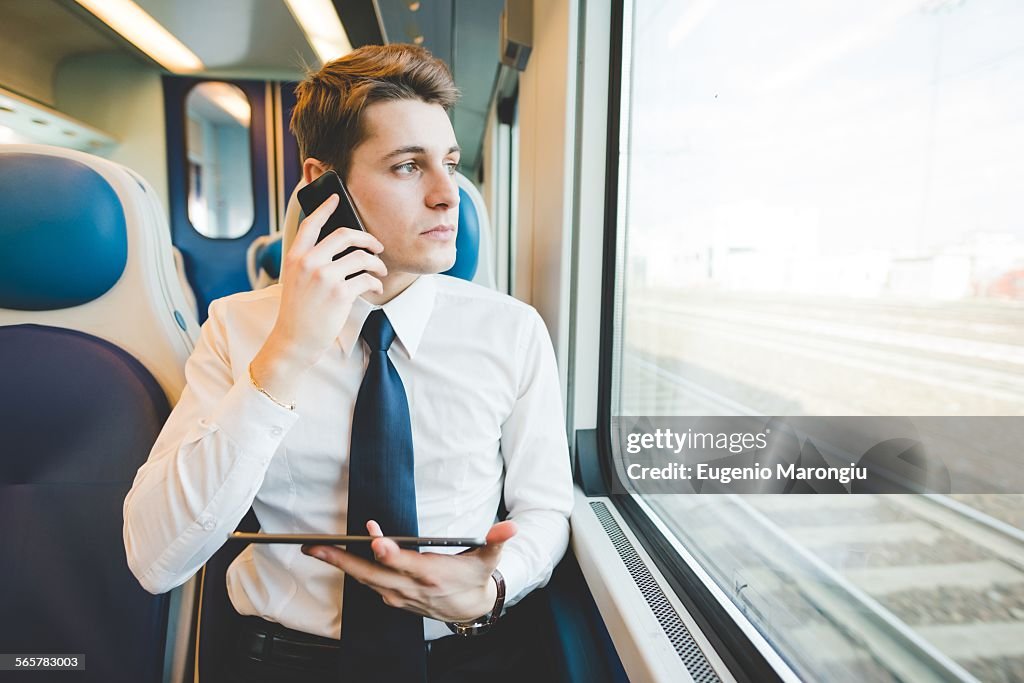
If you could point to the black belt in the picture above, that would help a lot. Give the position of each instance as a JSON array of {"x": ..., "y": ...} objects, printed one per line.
[
  {"x": 266, "y": 641},
  {"x": 287, "y": 655}
]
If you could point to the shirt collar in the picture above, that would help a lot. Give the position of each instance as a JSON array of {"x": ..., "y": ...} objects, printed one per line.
[{"x": 408, "y": 313}]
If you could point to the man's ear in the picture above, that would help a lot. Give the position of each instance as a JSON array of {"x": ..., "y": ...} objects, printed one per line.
[{"x": 313, "y": 169}]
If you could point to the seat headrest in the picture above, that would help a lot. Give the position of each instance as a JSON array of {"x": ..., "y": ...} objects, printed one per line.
[
  {"x": 85, "y": 245},
  {"x": 65, "y": 240},
  {"x": 467, "y": 240},
  {"x": 263, "y": 260},
  {"x": 268, "y": 258}
]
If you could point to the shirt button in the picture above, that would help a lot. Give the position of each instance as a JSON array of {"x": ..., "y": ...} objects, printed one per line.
[
  {"x": 276, "y": 431},
  {"x": 209, "y": 524}
]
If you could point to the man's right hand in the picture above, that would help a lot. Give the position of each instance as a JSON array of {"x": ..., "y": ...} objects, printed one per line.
[{"x": 316, "y": 298}]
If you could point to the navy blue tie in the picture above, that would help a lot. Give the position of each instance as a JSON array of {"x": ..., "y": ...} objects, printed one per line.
[{"x": 380, "y": 643}]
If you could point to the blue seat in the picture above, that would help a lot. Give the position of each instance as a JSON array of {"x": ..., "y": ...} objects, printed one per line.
[
  {"x": 65, "y": 586},
  {"x": 263, "y": 260},
  {"x": 472, "y": 244},
  {"x": 94, "y": 332}
]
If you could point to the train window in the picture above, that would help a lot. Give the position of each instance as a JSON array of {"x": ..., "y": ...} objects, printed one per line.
[
  {"x": 820, "y": 213},
  {"x": 220, "y": 202}
]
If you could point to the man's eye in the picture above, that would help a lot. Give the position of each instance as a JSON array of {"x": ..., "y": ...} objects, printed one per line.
[
  {"x": 406, "y": 168},
  {"x": 452, "y": 167}
]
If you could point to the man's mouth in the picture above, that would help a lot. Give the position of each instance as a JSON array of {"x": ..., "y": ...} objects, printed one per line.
[{"x": 440, "y": 232}]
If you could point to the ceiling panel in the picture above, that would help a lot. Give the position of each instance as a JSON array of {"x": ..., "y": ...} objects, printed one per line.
[
  {"x": 260, "y": 39},
  {"x": 256, "y": 38},
  {"x": 35, "y": 37}
]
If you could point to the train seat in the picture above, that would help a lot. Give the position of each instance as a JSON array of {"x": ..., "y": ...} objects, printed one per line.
[
  {"x": 186, "y": 288},
  {"x": 263, "y": 260},
  {"x": 473, "y": 243},
  {"x": 86, "y": 246},
  {"x": 94, "y": 333},
  {"x": 474, "y": 246}
]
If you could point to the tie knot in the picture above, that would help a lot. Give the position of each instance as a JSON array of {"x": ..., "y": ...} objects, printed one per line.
[{"x": 377, "y": 331}]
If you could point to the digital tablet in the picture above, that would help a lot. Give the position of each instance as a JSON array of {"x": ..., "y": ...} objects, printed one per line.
[{"x": 336, "y": 539}]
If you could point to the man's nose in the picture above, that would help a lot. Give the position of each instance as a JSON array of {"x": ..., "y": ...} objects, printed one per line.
[{"x": 444, "y": 192}]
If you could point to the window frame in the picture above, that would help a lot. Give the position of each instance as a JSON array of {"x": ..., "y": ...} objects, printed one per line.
[{"x": 747, "y": 655}]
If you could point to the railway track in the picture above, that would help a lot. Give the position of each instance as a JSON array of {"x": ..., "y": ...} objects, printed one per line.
[
  {"x": 957, "y": 581},
  {"x": 859, "y": 587}
]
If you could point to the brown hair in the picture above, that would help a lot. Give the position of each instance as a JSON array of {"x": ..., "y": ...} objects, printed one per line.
[{"x": 327, "y": 118}]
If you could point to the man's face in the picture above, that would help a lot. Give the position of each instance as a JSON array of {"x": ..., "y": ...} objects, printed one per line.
[{"x": 400, "y": 177}]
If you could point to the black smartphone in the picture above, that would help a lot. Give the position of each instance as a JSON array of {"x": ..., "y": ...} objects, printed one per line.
[
  {"x": 335, "y": 539},
  {"x": 344, "y": 216}
]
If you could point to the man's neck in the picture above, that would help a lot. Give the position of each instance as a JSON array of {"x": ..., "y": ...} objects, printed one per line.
[{"x": 394, "y": 285}]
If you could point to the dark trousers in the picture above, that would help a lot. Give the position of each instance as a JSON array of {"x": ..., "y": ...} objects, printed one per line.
[{"x": 518, "y": 648}]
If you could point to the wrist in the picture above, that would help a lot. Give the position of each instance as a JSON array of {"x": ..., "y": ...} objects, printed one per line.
[
  {"x": 496, "y": 588},
  {"x": 277, "y": 371},
  {"x": 488, "y": 597}
]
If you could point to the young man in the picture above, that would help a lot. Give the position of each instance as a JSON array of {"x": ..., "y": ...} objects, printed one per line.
[{"x": 395, "y": 401}]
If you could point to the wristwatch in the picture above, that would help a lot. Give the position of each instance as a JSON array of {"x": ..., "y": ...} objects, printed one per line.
[{"x": 484, "y": 623}]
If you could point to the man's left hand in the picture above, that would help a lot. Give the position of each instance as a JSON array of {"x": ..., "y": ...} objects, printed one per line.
[{"x": 443, "y": 587}]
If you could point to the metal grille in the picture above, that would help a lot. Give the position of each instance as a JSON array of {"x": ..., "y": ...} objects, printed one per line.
[{"x": 682, "y": 640}]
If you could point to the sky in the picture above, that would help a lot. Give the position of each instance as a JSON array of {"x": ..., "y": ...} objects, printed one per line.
[{"x": 833, "y": 128}]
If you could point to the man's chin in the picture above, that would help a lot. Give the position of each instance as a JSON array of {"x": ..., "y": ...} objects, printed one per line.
[
  {"x": 432, "y": 267},
  {"x": 438, "y": 263}
]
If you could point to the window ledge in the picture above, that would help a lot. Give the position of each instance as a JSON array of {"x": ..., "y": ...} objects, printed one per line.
[{"x": 638, "y": 620}]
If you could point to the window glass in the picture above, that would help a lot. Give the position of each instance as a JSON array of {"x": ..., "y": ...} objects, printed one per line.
[
  {"x": 820, "y": 212},
  {"x": 220, "y": 202}
]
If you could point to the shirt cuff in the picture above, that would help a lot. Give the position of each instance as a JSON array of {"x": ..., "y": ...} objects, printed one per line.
[
  {"x": 252, "y": 421},
  {"x": 514, "y": 570}
]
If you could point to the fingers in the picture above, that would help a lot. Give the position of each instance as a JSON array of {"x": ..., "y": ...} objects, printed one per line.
[
  {"x": 389, "y": 554},
  {"x": 361, "y": 284},
  {"x": 362, "y": 570},
  {"x": 391, "y": 558},
  {"x": 395, "y": 588},
  {"x": 309, "y": 228},
  {"x": 339, "y": 276},
  {"x": 394, "y": 571},
  {"x": 353, "y": 263},
  {"x": 363, "y": 247},
  {"x": 345, "y": 238},
  {"x": 379, "y": 547},
  {"x": 337, "y": 242}
]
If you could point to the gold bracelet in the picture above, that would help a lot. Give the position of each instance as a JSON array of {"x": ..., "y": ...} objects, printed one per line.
[{"x": 256, "y": 385}]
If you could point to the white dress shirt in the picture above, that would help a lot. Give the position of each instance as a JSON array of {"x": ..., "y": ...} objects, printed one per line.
[{"x": 479, "y": 373}]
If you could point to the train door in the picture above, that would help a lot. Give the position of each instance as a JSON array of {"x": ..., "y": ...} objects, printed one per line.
[{"x": 230, "y": 159}]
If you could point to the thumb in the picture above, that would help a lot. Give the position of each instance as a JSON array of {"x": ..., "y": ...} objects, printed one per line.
[{"x": 496, "y": 538}]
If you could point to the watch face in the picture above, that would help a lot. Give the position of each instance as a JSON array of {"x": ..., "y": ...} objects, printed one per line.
[{"x": 469, "y": 629}]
